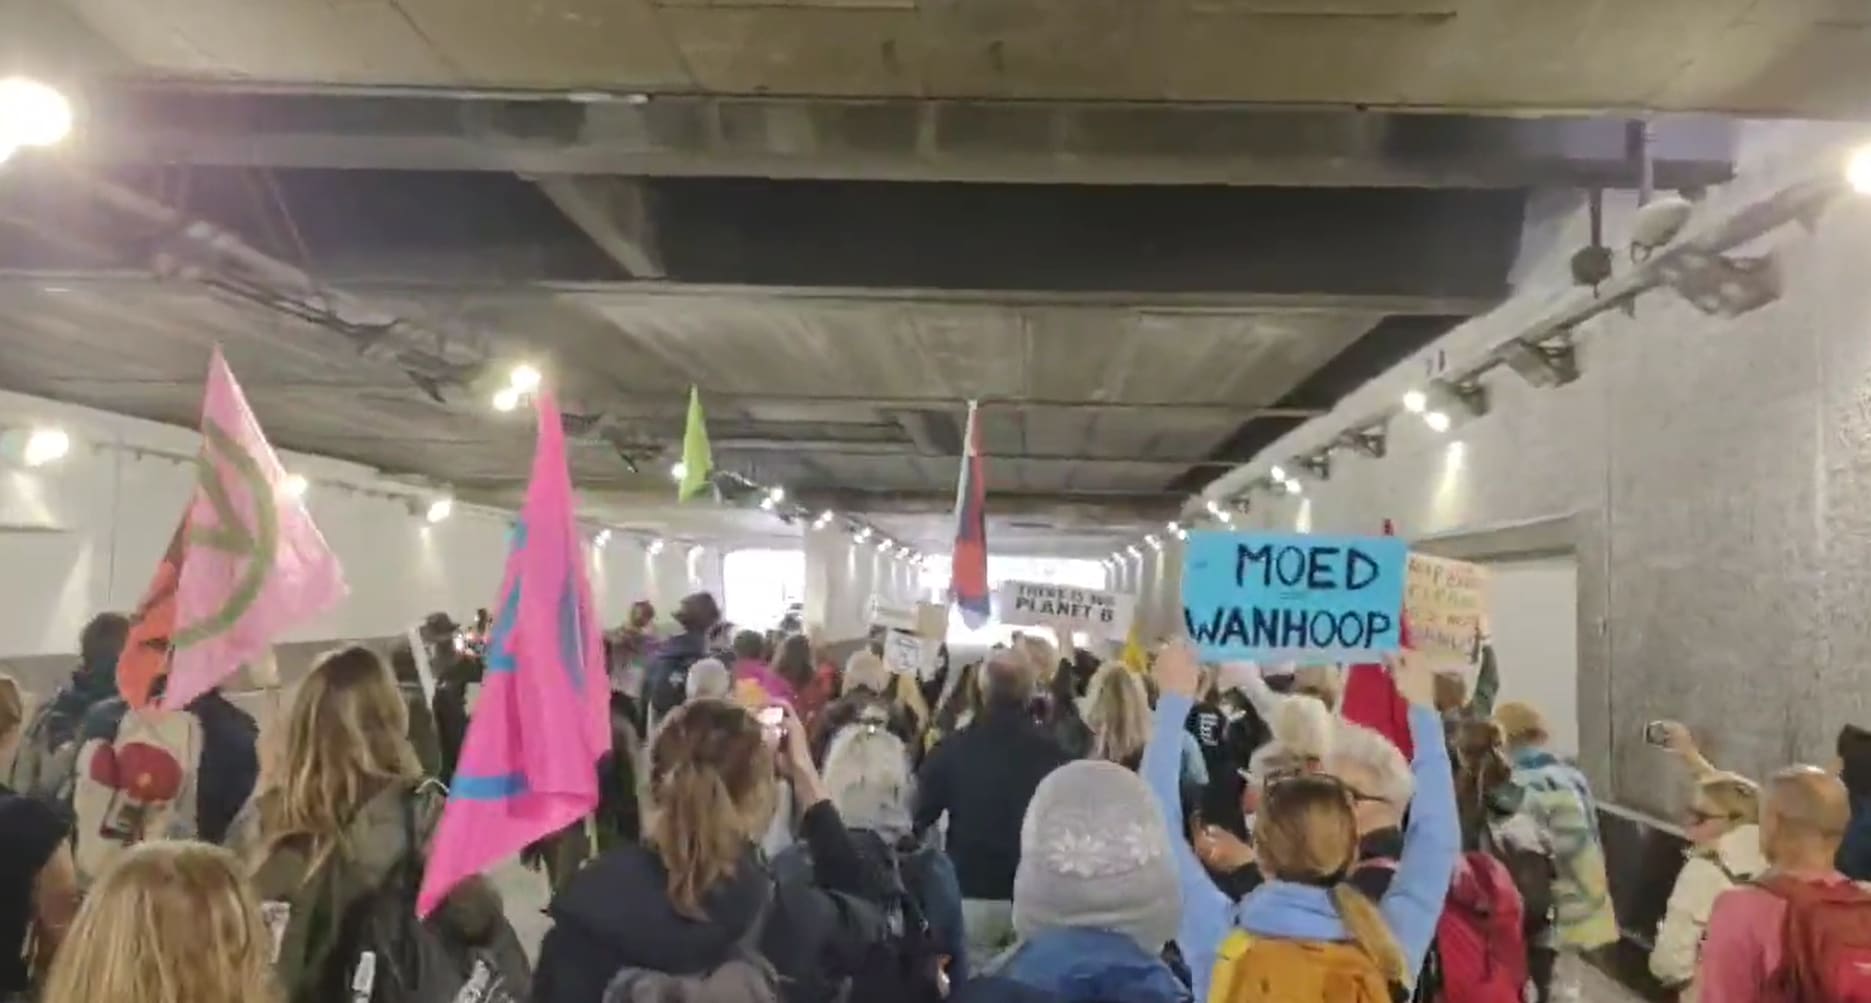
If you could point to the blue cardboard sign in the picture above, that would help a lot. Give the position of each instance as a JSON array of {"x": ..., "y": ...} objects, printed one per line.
[{"x": 1261, "y": 596}]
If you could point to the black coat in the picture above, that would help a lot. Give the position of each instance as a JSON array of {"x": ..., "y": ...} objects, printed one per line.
[
  {"x": 983, "y": 776},
  {"x": 617, "y": 913},
  {"x": 665, "y": 679}
]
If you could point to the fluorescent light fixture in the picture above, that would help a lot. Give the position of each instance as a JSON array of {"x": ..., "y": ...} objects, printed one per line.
[
  {"x": 1277, "y": 473},
  {"x": 1438, "y": 421},
  {"x": 1857, "y": 170},
  {"x": 776, "y": 495},
  {"x": 1133, "y": 551},
  {"x": 1173, "y": 526},
  {"x": 506, "y": 399},
  {"x": 524, "y": 378},
  {"x": 440, "y": 509},
  {"x": 1293, "y": 486},
  {"x": 655, "y": 547},
  {"x": 679, "y": 471},
  {"x": 294, "y": 486},
  {"x": 1415, "y": 401},
  {"x": 1227, "y": 518},
  {"x": 603, "y": 538},
  {"x": 32, "y": 113},
  {"x": 44, "y": 445}
]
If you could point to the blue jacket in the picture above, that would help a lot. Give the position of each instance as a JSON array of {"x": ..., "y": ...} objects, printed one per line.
[
  {"x": 1854, "y": 857},
  {"x": 1075, "y": 965},
  {"x": 1283, "y": 910}
]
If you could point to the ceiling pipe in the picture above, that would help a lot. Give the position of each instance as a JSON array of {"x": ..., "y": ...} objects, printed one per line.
[{"x": 1505, "y": 332}]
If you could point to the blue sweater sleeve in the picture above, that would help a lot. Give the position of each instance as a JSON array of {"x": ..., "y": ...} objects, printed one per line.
[
  {"x": 1430, "y": 844},
  {"x": 1207, "y": 914}
]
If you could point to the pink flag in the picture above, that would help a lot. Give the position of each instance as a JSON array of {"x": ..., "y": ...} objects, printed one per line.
[
  {"x": 252, "y": 564},
  {"x": 528, "y": 763}
]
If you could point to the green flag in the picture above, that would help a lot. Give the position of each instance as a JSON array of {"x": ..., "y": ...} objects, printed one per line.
[{"x": 698, "y": 461}]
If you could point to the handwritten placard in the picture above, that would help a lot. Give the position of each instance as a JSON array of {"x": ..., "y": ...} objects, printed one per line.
[
  {"x": 1444, "y": 601},
  {"x": 1066, "y": 607},
  {"x": 908, "y": 654},
  {"x": 1265, "y": 596}
]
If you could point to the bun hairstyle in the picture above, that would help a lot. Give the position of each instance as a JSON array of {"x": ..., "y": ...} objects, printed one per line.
[
  {"x": 1307, "y": 833},
  {"x": 711, "y": 791},
  {"x": 1118, "y": 714}
]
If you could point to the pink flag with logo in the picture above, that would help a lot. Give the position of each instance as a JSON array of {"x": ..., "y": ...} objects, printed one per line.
[
  {"x": 528, "y": 763},
  {"x": 252, "y": 564}
]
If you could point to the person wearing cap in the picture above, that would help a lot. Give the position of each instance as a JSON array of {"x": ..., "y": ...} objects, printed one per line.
[
  {"x": 1095, "y": 896},
  {"x": 665, "y": 681}
]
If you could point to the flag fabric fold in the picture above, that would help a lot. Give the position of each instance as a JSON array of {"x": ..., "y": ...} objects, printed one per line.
[
  {"x": 528, "y": 762},
  {"x": 1371, "y": 697},
  {"x": 246, "y": 566},
  {"x": 968, "y": 566},
  {"x": 698, "y": 458}
]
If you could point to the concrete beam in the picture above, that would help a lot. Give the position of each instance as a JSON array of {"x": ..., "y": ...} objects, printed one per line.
[
  {"x": 1079, "y": 508},
  {"x": 853, "y": 447},
  {"x": 614, "y": 214},
  {"x": 892, "y": 139}
]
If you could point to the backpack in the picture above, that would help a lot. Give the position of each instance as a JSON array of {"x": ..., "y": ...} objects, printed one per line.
[
  {"x": 383, "y": 954},
  {"x": 42, "y": 765},
  {"x": 910, "y": 967},
  {"x": 745, "y": 976},
  {"x": 1826, "y": 949},
  {"x": 1480, "y": 950},
  {"x": 1253, "y": 969},
  {"x": 139, "y": 783}
]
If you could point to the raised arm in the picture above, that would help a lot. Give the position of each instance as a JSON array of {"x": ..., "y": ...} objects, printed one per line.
[
  {"x": 1207, "y": 914},
  {"x": 1433, "y": 838}
]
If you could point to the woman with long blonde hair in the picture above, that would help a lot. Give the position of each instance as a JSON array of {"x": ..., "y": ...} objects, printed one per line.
[
  {"x": 1117, "y": 708},
  {"x": 170, "y": 922},
  {"x": 341, "y": 809},
  {"x": 1306, "y": 837},
  {"x": 685, "y": 900}
]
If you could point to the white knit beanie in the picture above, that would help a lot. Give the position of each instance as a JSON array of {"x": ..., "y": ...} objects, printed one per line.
[
  {"x": 1094, "y": 853},
  {"x": 864, "y": 670}
]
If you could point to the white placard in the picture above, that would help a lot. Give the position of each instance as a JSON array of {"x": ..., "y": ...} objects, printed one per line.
[
  {"x": 1096, "y": 612},
  {"x": 894, "y": 615},
  {"x": 907, "y": 654}
]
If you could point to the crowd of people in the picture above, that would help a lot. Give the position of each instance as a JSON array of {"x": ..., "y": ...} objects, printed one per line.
[{"x": 781, "y": 821}]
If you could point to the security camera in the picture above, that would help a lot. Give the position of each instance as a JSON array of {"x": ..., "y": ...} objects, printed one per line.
[{"x": 1658, "y": 223}]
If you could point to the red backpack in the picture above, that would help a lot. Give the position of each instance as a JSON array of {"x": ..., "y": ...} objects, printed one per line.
[
  {"x": 1826, "y": 950},
  {"x": 1481, "y": 951}
]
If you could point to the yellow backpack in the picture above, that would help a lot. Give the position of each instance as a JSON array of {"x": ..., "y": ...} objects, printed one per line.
[{"x": 1259, "y": 970}]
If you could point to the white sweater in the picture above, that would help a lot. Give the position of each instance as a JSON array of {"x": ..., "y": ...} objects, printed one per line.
[{"x": 1704, "y": 876}]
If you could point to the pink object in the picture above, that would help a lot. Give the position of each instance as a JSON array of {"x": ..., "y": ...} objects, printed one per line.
[
  {"x": 254, "y": 565},
  {"x": 1371, "y": 697},
  {"x": 528, "y": 762},
  {"x": 1741, "y": 948},
  {"x": 776, "y": 689}
]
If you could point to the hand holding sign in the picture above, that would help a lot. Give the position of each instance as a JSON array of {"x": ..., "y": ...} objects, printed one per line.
[
  {"x": 1178, "y": 670},
  {"x": 1260, "y": 595}
]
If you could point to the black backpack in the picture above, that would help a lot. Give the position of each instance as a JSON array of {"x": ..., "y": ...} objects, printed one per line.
[
  {"x": 384, "y": 954},
  {"x": 908, "y": 967}
]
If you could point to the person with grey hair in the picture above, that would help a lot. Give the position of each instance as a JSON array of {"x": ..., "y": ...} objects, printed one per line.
[
  {"x": 709, "y": 679},
  {"x": 982, "y": 778},
  {"x": 868, "y": 779},
  {"x": 1095, "y": 897}
]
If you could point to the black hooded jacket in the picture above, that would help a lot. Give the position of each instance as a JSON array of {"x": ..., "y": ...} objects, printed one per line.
[{"x": 616, "y": 913}]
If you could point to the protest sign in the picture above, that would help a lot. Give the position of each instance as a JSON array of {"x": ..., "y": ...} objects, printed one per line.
[
  {"x": 894, "y": 615},
  {"x": 908, "y": 654},
  {"x": 1263, "y": 596},
  {"x": 1066, "y": 608},
  {"x": 1443, "y": 601}
]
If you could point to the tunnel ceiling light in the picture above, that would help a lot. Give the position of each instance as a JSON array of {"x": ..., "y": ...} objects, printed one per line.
[
  {"x": 1858, "y": 169},
  {"x": 1278, "y": 473},
  {"x": 655, "y": 547},
  {"x": 524, "y": 378},
  {"x": 506, "y": 399},
  {"x": 1133, "y": 551},
  {"x": 678, "y": 471},
  {"x": 1153, "y": 541},
  {"x": 1181, "y": 534},
  {"x": 44, "y": 445},
  {"x": 1226, "y": 517},
  {"x": 603, "y": 538},
  {"x": 440, "y": 509},
  {"x": 32, "y": 113},
  {"x": 1293, "y": 486},
  {"x": 1173, "y": 526},
  {"x": 766, "y": 504},
  {"x": 1415, "y": 401},
  {"x": 776, "y": 495},
  {"x": 863, "y": 533},
  {"x": 294, "y": 486},
  {"x": 1438, "y": 421}
]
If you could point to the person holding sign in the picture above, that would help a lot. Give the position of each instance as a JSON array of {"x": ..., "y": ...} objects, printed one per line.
[{"x": 1306, "y": 836}]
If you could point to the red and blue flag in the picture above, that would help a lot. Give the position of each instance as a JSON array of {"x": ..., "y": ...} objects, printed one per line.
[{"x": 968, "y": 567}]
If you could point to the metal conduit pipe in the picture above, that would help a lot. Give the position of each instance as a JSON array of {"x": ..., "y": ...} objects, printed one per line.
[{"x": 1524, "y": 321}]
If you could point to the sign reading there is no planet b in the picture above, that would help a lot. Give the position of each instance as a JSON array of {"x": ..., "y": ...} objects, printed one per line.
[
  {"x": 1097, "y": 612},
  {"x": 1266, "y": 596}
]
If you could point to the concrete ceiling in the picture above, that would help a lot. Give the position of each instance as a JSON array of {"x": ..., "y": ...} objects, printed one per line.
[
  {"x": 1783, "y": 57},
  {"x": 1151, "y": 237}
]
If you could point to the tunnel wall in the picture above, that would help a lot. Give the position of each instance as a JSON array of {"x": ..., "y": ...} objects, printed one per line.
[
  {"x": 1713, "y": 478},
  {"x": 84, "y": 534}
]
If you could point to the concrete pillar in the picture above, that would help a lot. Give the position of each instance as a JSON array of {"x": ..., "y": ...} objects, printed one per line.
[{"x": 842, "y": 576}]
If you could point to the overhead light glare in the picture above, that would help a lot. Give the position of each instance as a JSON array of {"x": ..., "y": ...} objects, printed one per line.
[
  {"x": 46, "y": 445},
  {"x": 1415, "y": 401},
  {"x": 524, "y": 378},
  {"x": 506, "y": 399},
  {"x": 678, "y": 471},
  {"x": 294, "y": 486},
  {"x": 1438, "y": 421},
  {"x": 440, "y": 509},
  {"x": 1858, "y": 170},
  {"x": 32, "y": 113}
]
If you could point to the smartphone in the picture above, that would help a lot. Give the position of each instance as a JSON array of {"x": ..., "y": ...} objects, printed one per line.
[
  {"x": 772, "y": 723},
  {"x": 1657, "y": 733}
]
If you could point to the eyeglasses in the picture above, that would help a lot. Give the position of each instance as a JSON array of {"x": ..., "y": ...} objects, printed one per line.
[{"x": 1352, "y": 794}]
